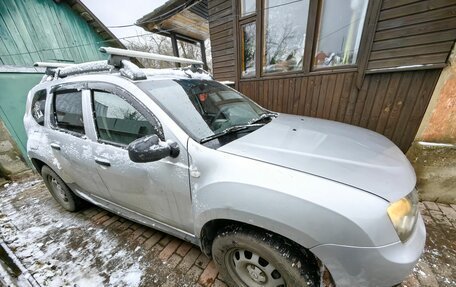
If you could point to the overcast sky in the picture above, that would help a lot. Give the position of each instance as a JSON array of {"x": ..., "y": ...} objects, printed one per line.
[{"x": 121, "y": 12}]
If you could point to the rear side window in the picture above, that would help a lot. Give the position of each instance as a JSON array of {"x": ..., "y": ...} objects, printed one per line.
[
  {"x": 68, "y": 111},
  {"x": 117, "y": 121},
  {"x": 38, "y": 104}
]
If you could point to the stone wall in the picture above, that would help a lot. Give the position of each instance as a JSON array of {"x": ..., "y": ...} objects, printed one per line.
[{"x": 11, "y": 162}]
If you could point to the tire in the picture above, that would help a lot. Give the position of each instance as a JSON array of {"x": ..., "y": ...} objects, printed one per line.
[
  {"x": 59, "y": 190},
  {"x": 253, "y": 258}
]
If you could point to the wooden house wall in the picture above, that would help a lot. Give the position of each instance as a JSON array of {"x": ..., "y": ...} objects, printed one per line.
[
  {"x": 393, "y": 103},
  {"x": 411, "y": 32},
  {"x": 43, "y": 30},
  {"x": 222, "y": 39}
]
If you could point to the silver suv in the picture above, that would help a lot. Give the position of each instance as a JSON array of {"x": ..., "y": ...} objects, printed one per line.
[{"x": 273, "y": 198}]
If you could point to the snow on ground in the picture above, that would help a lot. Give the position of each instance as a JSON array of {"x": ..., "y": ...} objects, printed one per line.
[
  {"x": 61, "y": 248},
  {"x": 50, "y": 243}
]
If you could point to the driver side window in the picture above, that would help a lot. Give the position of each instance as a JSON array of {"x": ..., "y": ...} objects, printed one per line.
[{"x": 117, "y": 121}]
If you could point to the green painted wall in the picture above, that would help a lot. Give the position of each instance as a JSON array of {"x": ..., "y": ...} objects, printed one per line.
[
  {"x": 13, "y": 96},
  {"x": 42, "y": 30}
]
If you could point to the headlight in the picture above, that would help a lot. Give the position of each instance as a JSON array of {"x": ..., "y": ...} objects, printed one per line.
[{"x": 403, "y": 214}]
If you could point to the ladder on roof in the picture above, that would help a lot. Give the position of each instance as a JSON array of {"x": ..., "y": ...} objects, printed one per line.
[{"x": 118, "y": 59}]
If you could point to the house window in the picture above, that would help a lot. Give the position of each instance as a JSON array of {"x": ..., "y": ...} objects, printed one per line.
[
  {"x": 285, "y": 23},
  {"x": 248, "y": 7},
  {"x": 248, "y": 47},
  {"x": 339, "y": 34}
]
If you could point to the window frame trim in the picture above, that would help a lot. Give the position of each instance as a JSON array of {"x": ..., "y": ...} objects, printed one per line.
[{"x": 313, "y": 23}]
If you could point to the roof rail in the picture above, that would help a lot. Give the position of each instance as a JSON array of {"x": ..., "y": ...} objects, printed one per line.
[
  {"x": 52, "y": 64},
  {"x": 138, "y": 54}
]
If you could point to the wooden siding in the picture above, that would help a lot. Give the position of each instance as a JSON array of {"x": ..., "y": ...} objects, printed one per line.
[
  {"x": 411, "y": 32},
  {"x": 222, "y": 39},
  {"x": 42, "y": 30},
  {"x": 392, "y": 104}
]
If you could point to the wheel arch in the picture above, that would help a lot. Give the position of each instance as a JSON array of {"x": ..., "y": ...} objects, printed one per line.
[
  {"x": 38, "y": 164},
  {"x": 211, "y": 228}
]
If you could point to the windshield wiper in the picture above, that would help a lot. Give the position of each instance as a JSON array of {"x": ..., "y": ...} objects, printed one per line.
[
  {"x": 230, "y": 130},
  {"x": 266, "y": 115}
]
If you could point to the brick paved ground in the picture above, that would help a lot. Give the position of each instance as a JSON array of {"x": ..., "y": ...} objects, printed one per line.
[{"x": 95, "y": 247}]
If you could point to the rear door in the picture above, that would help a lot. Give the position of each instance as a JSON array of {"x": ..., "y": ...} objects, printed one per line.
[
  {"x": 72, "y": 152},
  {"x": 159, "y": 190}
]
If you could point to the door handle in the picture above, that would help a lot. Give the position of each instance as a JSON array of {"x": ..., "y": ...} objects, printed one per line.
[
  {"x": 55, "y": 146},
  {"x": 102, "y": 162}
]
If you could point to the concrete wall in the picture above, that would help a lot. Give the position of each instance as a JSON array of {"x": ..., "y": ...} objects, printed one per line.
[{"x": 433, "y": 153}]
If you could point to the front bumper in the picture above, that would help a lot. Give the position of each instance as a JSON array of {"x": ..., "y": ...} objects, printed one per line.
[{"x": 373, "y": 266}]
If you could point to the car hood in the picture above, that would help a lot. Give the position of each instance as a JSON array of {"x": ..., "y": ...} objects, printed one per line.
[{"x": 347, "y": 154}]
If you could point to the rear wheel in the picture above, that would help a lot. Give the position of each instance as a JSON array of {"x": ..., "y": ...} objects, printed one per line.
[
  {"x": 251, "y": 258},
  {"x": 59, "y": 190}
]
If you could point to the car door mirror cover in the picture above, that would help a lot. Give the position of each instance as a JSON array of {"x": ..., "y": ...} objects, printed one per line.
[{"x": 150, "y": 148}]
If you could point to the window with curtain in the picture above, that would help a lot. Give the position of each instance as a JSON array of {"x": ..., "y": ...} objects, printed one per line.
[{"x": 339, "y": 34}]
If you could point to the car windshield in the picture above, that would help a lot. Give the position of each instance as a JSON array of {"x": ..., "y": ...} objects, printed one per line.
[{"x": 204, "y": 108}]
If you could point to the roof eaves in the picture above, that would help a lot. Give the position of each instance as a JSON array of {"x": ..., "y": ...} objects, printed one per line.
[{"x": 167, "y": 10}]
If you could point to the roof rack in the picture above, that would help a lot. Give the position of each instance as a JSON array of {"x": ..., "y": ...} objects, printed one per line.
[
  {"x": 138, "y": 54},
  {"x": 52, "y": 64},
  {"x": 118, "y": 59}
]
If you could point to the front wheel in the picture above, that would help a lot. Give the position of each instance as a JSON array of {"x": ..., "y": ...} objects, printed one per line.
[{"x": 251, "y": 258}]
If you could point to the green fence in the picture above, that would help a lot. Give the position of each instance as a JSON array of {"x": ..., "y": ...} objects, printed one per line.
[{"x": 13, "y": 95}]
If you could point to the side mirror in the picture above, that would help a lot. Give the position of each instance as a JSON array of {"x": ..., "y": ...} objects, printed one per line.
[{"x": 151, "y": 148}]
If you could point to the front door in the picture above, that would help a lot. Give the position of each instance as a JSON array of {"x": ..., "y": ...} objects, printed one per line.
[{"x": 158, "y": 190}]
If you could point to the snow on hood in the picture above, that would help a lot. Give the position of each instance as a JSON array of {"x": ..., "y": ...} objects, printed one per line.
[{"x": 351, "y": 155}]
